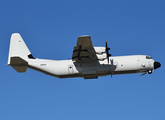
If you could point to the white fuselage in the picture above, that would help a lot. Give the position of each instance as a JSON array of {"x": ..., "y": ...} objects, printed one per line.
[{"x": 69, "y": 68}]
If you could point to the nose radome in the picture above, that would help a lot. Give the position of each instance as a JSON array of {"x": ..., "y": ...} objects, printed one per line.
[{"x": 156, "y": 65}]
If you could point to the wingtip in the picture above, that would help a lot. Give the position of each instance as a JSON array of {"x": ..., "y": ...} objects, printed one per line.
[{"x": 84, "y": 36}]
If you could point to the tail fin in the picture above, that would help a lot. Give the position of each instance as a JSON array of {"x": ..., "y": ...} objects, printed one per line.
[{"x": 18, "y": 53}]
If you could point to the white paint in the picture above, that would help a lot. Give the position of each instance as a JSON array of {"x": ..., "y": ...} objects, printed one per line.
[{"x": 69, "y": 68}]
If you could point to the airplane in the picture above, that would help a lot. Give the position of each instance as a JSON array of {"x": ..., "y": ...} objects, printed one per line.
[{"x": 87, "y": 61}]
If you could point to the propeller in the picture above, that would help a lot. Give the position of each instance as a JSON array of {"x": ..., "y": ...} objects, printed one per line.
[{"x": 107, "y": 51}]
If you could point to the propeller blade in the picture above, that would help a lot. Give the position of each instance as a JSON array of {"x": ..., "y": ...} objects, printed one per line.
[
  {"x": 107, "y": 51},
  {"x": 153, "y": 71},
  {"x": 107, "y": 48},
  {"x": 108, "y": 59}
]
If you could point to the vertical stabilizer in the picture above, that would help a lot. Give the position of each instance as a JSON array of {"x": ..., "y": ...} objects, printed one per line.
[
  {"x": 18, "y": 47},
  {"x": 18, "y": 53}
]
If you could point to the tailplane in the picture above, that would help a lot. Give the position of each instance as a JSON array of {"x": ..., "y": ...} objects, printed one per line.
[{"x": 19, "y": 53}]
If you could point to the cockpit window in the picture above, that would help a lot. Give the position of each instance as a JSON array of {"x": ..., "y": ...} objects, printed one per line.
[{"x": 148, "y": 57}]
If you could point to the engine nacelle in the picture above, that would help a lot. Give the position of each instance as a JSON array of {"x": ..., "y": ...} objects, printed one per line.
[
  {"x": 101, "y": 56},
  {"x": 99, "y": 50}
]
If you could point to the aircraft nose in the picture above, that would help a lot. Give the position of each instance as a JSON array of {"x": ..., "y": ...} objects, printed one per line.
[{"x": 156, "y": 65}]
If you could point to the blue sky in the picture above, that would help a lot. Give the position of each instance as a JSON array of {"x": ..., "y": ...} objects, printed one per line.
[{"x": 50, "y": 29}]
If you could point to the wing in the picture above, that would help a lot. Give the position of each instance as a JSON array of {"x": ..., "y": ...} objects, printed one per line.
[{"x": 84, "y": 49}]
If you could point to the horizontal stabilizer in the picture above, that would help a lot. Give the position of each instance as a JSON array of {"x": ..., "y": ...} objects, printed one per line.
[
  {"x": 20, "y": 68},
  {"x": 18, "y": 64},
  {"x": 17, "y": 61}
]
